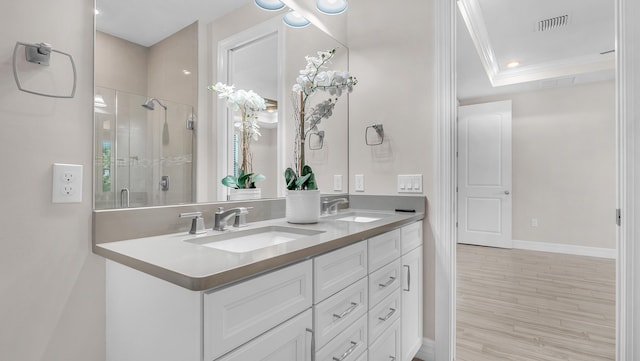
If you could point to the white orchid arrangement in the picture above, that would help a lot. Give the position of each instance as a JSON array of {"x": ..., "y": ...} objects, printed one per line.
[
  {"x": 313, "y": 78},
  {"x": 249, "y": 104}
]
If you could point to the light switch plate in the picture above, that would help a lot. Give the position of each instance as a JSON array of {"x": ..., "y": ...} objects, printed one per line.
[
  {"x": 67, "y": 183},
  {"x": 410, "y": 183}
]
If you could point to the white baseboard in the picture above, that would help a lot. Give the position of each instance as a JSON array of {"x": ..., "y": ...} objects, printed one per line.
[
  {"x": 427, "y": 351},
  {"x": 610, "y": 253}
]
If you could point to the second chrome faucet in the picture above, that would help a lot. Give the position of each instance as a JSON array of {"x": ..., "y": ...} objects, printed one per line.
[{"x": 222, "y": 217}]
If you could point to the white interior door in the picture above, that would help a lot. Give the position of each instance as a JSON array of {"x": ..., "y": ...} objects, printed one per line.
[{"x": 484, "y": 174}]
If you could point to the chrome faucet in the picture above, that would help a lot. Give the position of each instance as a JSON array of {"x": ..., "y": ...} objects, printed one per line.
[
  {"x": 222, "y": 217},
  {"x": 331, "y": 206}
]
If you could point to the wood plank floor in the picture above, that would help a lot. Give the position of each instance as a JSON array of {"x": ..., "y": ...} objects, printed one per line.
[{"x": 534, "y": 306}]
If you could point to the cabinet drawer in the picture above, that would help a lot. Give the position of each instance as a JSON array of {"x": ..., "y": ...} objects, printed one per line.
[
  {"x": 383, "y": 249},
  {"x": 387, "y": 347},
  {"x": 290, "y": 341},
  {"x": 384, "y": 315},
  {"x": 411, "y": 236},
  {"x": 384, "y": 281},
  {"x": 348, "y": 345},
  {"x": 337, "y": 312},
  {"x": 237, "y": 314},
  {"x": 338, "y": 269}
]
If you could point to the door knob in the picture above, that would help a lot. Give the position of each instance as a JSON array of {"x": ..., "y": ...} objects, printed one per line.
[{"x": 507, "y": 192}]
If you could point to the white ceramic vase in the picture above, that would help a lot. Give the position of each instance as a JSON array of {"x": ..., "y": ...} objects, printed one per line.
[
  {"x": 303, "y": 206},
  {"x": 244, "y": 194}
]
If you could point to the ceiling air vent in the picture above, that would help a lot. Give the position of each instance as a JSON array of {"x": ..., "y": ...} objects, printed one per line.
[{"x": 553, "y": 23}]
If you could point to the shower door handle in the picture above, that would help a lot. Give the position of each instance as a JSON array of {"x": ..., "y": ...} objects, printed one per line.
[
  {"x": 124, "y": 198},
  {"x": 164, "y": 183}
]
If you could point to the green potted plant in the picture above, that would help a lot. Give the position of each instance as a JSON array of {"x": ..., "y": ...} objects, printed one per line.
[
  {"x": 303, "y": 196},
  {"x": 248, "y": 103}
]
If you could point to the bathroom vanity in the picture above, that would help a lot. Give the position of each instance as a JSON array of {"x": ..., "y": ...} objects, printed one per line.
[{"x": 348, "y": 288}]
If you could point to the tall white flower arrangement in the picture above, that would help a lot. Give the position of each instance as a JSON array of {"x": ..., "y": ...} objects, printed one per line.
[
  {"x": 248, "y": 103},
  {"x": 315, "y": 77}
]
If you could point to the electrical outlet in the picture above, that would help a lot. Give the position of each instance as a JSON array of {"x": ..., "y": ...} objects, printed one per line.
[
  {"x": 534, "y": 222},
  {"x": 359, "y": 184},
  {"x": 337, "y": 183},
  {"x": 67, "y": 183}
]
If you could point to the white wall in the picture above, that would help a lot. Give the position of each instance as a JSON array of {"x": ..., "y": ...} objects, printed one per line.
[
  {"x": 564, "y": 164},
  {"x": 52, "y": 286},
  {"x": 392, "y": 53}
]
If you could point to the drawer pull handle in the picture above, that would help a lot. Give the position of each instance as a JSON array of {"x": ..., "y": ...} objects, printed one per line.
[
  {"x": 346, "y": 354},
  {"x": 408, "y": 289},
  {"x": 347, "y": 311},
  {"x": 391, "y": 312},
  {"x": 388, "y": 283},
  {"x": 392, "y": 358}
]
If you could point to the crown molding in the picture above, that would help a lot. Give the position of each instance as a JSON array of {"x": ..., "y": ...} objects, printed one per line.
[{"x": 472, "y": 15}]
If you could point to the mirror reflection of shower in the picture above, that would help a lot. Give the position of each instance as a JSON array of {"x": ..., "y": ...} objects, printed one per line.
[
  {"x": 134, "y": 158},
  {"x": 165, "y": 128}
]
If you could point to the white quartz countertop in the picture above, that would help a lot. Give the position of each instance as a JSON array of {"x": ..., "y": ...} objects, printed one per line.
[{"x": 179, "y": 259}]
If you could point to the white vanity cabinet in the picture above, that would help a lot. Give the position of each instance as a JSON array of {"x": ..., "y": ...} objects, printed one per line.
[
  {"x": 411, "y": 296},
  {"x": 360, "y": 302}
]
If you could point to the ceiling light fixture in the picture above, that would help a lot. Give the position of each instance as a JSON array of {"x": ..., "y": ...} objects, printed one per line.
[
  {"x": 295, "y": 20},
  {"x": 513, "y": 64},
  {"x": 332, "y": 7},
  {"x": 270, "y": 5}
]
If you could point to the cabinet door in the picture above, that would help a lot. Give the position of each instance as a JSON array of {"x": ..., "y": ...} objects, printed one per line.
[
  {"x": 290, "y": 341},
  {"x": 411, "y": 311}
]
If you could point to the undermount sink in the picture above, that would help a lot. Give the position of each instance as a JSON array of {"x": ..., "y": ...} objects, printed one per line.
[
  {"x": 253, "y": 239},
  {"x": 358, "y": 219}
]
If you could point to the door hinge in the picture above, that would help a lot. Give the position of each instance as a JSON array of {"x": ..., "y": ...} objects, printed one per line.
[{"x": 618, "y": 217}]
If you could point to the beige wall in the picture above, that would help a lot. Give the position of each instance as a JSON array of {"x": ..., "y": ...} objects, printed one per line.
[
  {"x": 120, "y": 64},
  {"x": 392, "y": 53},
  {"x": 564, "y": 164},
  {"x": 52, "y": 286},
  {"x": 167, "y": 60}
]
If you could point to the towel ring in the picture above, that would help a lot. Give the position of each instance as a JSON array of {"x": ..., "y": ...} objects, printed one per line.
[{"x": 40, "y": 54}]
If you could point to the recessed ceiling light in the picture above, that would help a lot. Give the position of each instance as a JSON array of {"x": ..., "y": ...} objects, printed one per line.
[
  {"x": 270, "y": 5},
  {"x": 332, "y": 7},
  {"x": 186, "y": 72},
  {"x": 295, "y": 20},
  {"x": 97, "y": 11},
  {"x": 513, "y": 64}
]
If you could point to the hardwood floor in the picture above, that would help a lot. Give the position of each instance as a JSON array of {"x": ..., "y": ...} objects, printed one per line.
[{"x": 534, "y": 306}]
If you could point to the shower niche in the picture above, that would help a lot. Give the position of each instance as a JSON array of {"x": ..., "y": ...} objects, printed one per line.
[{"x": 144, "y": 151}]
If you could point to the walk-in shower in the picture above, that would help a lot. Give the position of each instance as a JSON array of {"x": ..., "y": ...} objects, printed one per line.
[{"x": 134, "y": 158}]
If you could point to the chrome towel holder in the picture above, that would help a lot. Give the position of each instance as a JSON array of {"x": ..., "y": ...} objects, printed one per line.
[
  {"x": 40, "y": 54},
  {"x": 379, "y": 130}
]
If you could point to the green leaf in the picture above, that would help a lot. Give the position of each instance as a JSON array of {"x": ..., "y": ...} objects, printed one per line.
[
  {"x": 257, "y": 177},
  {"x": 290, "y": 178},
  {"x": 311, "y": 184},
  {"x": 230, "y": 181},
  {"x": 300, "y": 183}
]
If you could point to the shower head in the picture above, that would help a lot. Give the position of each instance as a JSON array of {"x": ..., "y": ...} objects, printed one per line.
[{"x": 149, "y": 104}]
